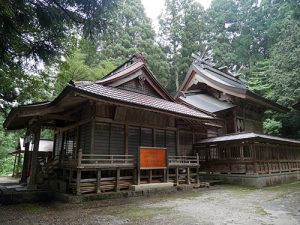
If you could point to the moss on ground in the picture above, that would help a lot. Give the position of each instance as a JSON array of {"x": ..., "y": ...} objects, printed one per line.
[{"x": 260, "y": 211}]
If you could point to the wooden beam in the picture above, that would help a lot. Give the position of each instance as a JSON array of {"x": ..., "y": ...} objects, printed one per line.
[
  {"x": 34, "y": 156},
  {"x": 60, "y": 117},
  {"x": 26, "y": 158},
  {"x": 78, "y": 178}
]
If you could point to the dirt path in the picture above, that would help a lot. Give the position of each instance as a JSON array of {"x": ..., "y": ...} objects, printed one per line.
[{"x": 217, "y": 205}]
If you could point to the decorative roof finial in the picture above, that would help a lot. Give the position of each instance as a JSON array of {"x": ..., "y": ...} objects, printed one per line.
[{"x": 141, "y": 56}]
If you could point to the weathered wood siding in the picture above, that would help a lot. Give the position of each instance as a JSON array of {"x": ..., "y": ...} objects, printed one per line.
[
  {"x": 85, "y": 137},
  {"x": 117, "y": 140},
  {"x": 101, "y": 138}
]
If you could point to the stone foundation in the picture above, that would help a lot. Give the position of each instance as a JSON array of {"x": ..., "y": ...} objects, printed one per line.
[{"x": 255, "y": 180}]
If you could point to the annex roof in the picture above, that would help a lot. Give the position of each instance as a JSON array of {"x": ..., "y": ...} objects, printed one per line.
[
  {"x": 206, "y": 102},
  {"x": 203, "y": 72},
  {"x": 247, "y": 136}
]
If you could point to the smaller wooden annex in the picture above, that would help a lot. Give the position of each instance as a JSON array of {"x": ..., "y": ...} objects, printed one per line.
[
  {"x": 121, "y": 130},
  {"x": 239, "y": 152}
]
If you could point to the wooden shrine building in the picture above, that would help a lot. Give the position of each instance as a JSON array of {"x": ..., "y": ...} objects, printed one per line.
[
  {"x": 121, "y": 130},
  {"x": 239, "y": 149},
  {"x": 125, "y": 129}
]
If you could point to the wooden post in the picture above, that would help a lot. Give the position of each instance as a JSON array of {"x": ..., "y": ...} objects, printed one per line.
[
  {"x": 14, "y": 169},
  {"x": 34, "y": 162},
  {"x": 98, "y": 181},
  {"x": 138, "y": 176},
  {"x": 254, "y": 158},
  {"x": 126, "y": 140},
  {"x": 78, "y": 178},
  {"x": 93, "y": 124},
  {"x": 79, "y": 157},
  {"x": 18, "y": 165},
  {"x": 26, "y": 158},
  {"x": 150, "y": 176},
  {"x": 197, "y": 169},
  {"x": 165, "y": 175},
  {"x": 188, "y": 181},
  {"x": 117, "y": 187},
  {"x": 177, "y": 175}
]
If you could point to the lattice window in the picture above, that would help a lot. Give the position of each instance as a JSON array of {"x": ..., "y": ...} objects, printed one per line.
[{"x": 246, "y": 151}]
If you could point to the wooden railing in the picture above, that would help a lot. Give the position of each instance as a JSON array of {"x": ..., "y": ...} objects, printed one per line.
[
  {"x": 183, "y": 160},
  {"x": 97, "y": 160},
  {"x": 251, "y": 166}
]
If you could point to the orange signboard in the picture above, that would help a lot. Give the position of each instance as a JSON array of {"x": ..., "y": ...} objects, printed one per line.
[{"x": 153, "y": 158}]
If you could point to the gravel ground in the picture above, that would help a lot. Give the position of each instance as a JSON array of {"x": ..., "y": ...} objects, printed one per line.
[{"x": 218, "y": 205}]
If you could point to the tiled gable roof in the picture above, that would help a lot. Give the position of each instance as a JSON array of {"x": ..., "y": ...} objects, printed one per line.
[{"x": 134, "y": 98}]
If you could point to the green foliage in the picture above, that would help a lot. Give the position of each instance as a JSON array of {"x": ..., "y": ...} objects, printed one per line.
[
  {"x": 272, "y": 127},
  {"x": 8, "y": 143},
  {"x": 36, "y": 33},
  {"x": 181, "y": 33},
  {"x": 75, "y": 67},
  {"x": 130, "y": 32},
  {"x": 261, "y": 40}
]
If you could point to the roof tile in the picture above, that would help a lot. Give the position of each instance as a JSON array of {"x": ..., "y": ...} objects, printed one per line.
[{"x": 142, "y": 100}]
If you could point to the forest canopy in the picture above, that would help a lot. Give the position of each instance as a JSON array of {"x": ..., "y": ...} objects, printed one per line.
[{"x": 45, "y": 44}]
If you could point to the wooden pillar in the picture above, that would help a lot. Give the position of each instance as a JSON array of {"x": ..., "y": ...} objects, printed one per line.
[
  {"x": 165, "y": 175},
  {"x": 78, "y": 178},
  {"x": 14, "y": 169},
  {"x": 188, "y": 180},
  {"x": 138, "y": 182},
  {"x": 177, "y": 175},
  {"x": 197, "y": 169},
  {"x": 117, "y": 186},
  {"x": 126, "y": 140},
  {"x": 150, "y": 176},
  {"x": 26, "y": 158},
  {"x": 34, "y": 162},
  {"x": 98, "y": 181},
  {"x": 18, "y": 164},
  {"x": 93, "y": 124},
  {"x": 177, "y": 142},
  {"x": 254, "y": 157}
]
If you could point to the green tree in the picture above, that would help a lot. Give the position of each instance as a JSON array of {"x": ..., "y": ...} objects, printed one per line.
[
  {"x": 34, "y": 33},
  {"x": 181, "y": 34},
  {"x": 132, "y": 32}
]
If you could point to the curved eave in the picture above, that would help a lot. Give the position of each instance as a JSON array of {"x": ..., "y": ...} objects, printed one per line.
[
  {"x": 34, "y": 107},
  {"x": 265, "y": 102}
]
